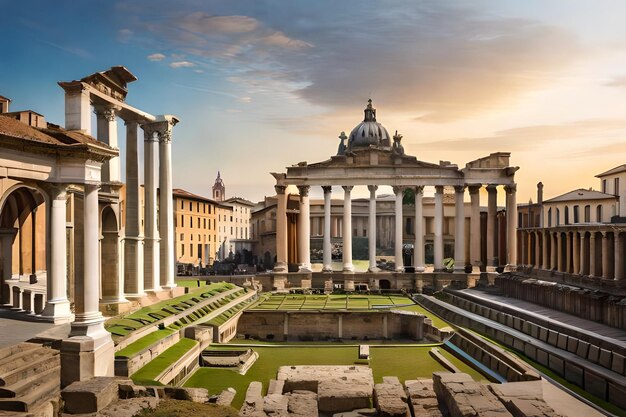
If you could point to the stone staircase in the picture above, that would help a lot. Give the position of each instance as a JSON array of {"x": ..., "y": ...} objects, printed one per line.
[{"x": 30, "y": 377}]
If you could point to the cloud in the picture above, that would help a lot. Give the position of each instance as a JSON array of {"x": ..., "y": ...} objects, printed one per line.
[
  {"x": 156, "y": 57},
  {"x": 619, "y": 81},
  {"x": 182, "y": 64},
  {"x": 124, "y": 35},
  {"x": 200, "y": 22}
]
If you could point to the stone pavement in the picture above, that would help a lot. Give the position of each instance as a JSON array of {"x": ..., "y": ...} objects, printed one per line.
[{"x": 16, "y": 327}]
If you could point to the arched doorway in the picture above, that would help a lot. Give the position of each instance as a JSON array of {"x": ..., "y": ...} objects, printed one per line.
[
  {"x": 384, "y": 284},
  {"x": 109, "y": 248}
]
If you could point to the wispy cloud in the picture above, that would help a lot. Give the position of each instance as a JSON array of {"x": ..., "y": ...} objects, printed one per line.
[
  {"x": 182, "y": 64},
  {"x": 156, "y": 57},
  {"x": 124, "y": 35},
  {"x": 68, "y": 49},
  {"x": 619, "y": 81}
]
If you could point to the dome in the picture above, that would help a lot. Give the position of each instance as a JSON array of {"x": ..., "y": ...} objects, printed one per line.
[{"x": 369, "y": 131}]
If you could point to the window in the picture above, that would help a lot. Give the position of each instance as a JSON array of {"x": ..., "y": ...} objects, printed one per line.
[
  {"x": 204, "y": 223},
  {"x": 409, "y": 226},
  {"x": 190, "y": 206},
  {"x": 198, "y": 206},
  {"x": 616, "y": 186},
  {"x": 199, "y": 240},
  {"x": 587, "y": 214},
  {"x": 576, "y": 217},
  {"x": 604, "y": 186},
  {"x": 599, "y": 214},
  {"x": 550, "y": 217},
  {"x": 198, "y": 222},
  {"x": 182, "y": 220},
  {"x": 182, "y": 250},
  {"x": 209, "y": 209},
  {"x": 191, "y": 250},
  {"x": 182, "y": 237},
  {"x": 182, "y": 205},
  {"x": 566, "y": 215}
]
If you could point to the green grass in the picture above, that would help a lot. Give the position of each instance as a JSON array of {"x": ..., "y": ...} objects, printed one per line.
[
  {"x": 143, "y": 343},
  {"x": 405, "y": 362},
  {"x": 284, "y": 302},
  {"x": 148, "y": 373},
  {"x": 437, "y": 322},
  {"x": 182, "y": 408}
]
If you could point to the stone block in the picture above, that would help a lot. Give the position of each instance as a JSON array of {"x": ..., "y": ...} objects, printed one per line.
[
  {"x": 253, "y": 403},
  {"x": 334, "y": 396},
  {"x": 572, "y": 344},
  {"x": 542, "y": 357},
  {"x": 596, "y": 385},
  {"x": 130, "y": 390},
  {"x": 390, "y": 398},
  {"x": 530, "y": 350},
  {"x": 226, "y": 397},
  {"x": 464, "y": 397},
  {"x": 605, "y": 358},
  {"x": 594, "y": 354},
  {"x": 197, "y": 395},
  {"x": 543, "y": 334},
  {"x": 553, "y": 337},
  {"x": 562, "y": 341},
  {"x": 518, "y": 344},
  {"x": 275, "y": 404},
  {"x": 90, "y": 396},
  {"x": 583, "y": 349},
  {"x": 518, "y": 323},
  {"x": 303, "y": 404},
  {"x": 275, "y": 386},
  {"x": 617, "y": 395},
  {"x": 574, "y": 373},
  {"x": 617, "y": 364},
  {"x": 534, "y": 330},
  {"x": 556, "y": 364}
]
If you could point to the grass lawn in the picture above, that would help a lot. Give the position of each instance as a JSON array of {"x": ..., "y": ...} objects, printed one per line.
[
  {"x": 437, "y": 322},
  {"x": 148, "y": 373},
  {"x": 181, "y": 408},
  {"x": 143, "y": 343},
  {"x": 405, "y": 362},
  {"x": 330, "y": 302}
]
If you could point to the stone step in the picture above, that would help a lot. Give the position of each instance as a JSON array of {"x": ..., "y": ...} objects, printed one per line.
[
  {"x": 27, "y": 385},
  {"x": 20, "y": 358},
  {"x": 46, "y": 390},
  {"x": 7, "y": 352},
  {"x": 48, "y": 359}
]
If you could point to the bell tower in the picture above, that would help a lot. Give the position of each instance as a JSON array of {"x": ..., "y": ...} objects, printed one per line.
[{"x": 219, "y": 190}]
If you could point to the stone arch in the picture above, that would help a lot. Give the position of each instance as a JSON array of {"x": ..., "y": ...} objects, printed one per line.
[
  {"x": 109, "y": 255},
  {"x": 384, "y": 284}
]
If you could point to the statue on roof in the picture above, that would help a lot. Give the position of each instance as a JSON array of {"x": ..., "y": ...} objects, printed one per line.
[
  {"x": 342, "y": 145},
  {"x": 397, "y": 148}
]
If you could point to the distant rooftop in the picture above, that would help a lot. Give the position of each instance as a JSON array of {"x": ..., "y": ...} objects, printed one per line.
[
  {"x": 613, "y": 171},
  {"x": 581, "y": 194}
]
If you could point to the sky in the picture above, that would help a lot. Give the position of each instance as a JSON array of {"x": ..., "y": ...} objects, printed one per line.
[{"x": 260, "y": 85}]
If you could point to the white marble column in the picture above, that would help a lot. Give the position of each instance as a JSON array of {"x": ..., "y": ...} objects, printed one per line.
[
  {"x": 372, "y": 229},
  {"x": 57, "y": 309},
  {"x": 7, "y": 237},
  {"x": 151, "y": 233},
  {"x": 77, "y": 109},
  {"x": 281, "y": 230},
  {"x": 326, "y": 247},
  {"x": 419, "y": 230},
  {"x": 545, "y": 258},
  {"x": 166, "y": 206},
  {"x": 474, "y": 192},
  {"x": 133, "y": 239},
  {"x": 575, "y": 253},
  {"x": 592, "y": 254},
  {"x": 106, "y": 127},
  {"x": 398, "y": 241},
  {"x": 304, "y": 230},
  {"x": 619, "y": 256},
  {"x": 459, "y": 229},
  {"x": 347, "y": 229},
  {"x": 584, "y": 258},
  {"x": 511, "y": 229},
  {"x": 438, "y": 244},
  {"x": 606, "y": 262},
  {"x": 492, "y": 239}
]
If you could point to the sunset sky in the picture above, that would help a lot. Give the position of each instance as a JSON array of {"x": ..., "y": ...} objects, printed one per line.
[{"x": 260, "y": 85}]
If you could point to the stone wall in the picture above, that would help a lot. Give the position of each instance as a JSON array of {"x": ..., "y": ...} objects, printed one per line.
[
  {"x": 323, "y": 325},
  {"x": 128, "y": 366}
]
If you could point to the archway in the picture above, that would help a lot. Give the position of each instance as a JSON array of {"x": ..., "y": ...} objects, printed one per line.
[
  {"x": 384, "y": 284},
  {"x": 109, "y": 248}
]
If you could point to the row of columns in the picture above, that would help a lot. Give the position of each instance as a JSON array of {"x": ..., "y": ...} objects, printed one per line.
[
  {"x": 588, "y": 253},
  {"x": 459, "y": 245}
]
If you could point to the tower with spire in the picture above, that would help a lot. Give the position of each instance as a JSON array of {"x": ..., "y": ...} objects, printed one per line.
[{"x": 219, "y": 190}]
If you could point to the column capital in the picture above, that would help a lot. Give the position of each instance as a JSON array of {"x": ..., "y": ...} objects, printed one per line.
[
  {"x": 605, "y": 234},
  {"x": 106, "y": 111},
  {"x": 327, "y": 189},
  {"x": 491, "y": 188},
  {"x": 474, "y": 188},
  {"x": 56, "y": 190},
  {"x": 347, "y": 188},
  {"x": 398, "y": 189},
  {"x": 419, "y": 189},
  {"x": 304, "y": 190},
  {"x": 372, "y": 188},
  {"x": 459, "y": 189},
  {"x": 162, "y": 128},
  {"x": 510, "y": 189},
  {"x": 439, "y": 189},
  {"x": 582, "y": 236},
  {"x": 280, "y": 189}
]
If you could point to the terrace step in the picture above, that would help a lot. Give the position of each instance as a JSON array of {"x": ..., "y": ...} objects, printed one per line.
[
  {"x": 27, "y": 385},
  {"x": 43, "y": 391},
  {"x": 18, "y": 359},
  {"x": 45, "y": 360},
  {"x": 9, "y": 351}
]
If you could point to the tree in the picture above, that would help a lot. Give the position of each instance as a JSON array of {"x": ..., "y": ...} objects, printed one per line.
[{"x": 408, "y": 197}]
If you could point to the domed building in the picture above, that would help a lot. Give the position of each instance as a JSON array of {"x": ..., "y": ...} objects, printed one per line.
[{"x": 369, "y": 132}]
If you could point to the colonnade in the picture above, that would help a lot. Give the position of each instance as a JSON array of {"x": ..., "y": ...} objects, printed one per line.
[
  {"x": 419, "y": 258},
  {"x": 595, "y": 252}
]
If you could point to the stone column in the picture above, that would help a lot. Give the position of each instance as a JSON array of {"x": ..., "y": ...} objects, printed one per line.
[
  {"x": 576, "y": 253},
  {"x": 327, "y": 262},
  {"x": 7, "y": 236},
  {"x": 605, "y": 256},
  {"x": 511, "y": 221},
  {"x": 419, "y": 229},
  {"x": 545, "y": 259},
  {"x": 474, "y": 192},
  {"x": 398, "y": 241},
  {"x": 492, "y": 210},
  {"x": 133, "y": 239},
  {"x": 304, "y": 230},
  {"x": 459, "y": 229},
  {"x": 281, "y": 230},
  {"x": 106, "y": 126},
  {"x": 592, "y": 254},
  {"x": 438, "y": 244},
  {"x": 372, "y": 229},
  {"x": 584, "y": 259},
  {"x": 568, "y": 251},
  {"x": 57, "y": 309},
  {"x": 87, "y": 334},
  {"x": 559, "y": 252},
  {"x": 554, "y": 250},
  {"x": 152, "y": 239},
  {"x": 538, "y": 249},
  {"x": 77, "y": 109},
  {"x": 619, "y": 256},
  {"x": 347, "y": 229},
  {"x": 166, "y": 205}
]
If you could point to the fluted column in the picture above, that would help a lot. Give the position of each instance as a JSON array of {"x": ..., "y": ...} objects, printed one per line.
[
  {"x": 559, "y": 252},
  {"x": 554, "y": 251},
  {"x": 347, "y": 229},
  {"x": 619, "y": 256},
  {"x": 492, "y": 239},
  {"x": 459, "y": 229},
  {"x": 419, "y": 229},
  {"x": 327, "y": 261},
  {"x": 304, "y": 230},
  {"x": 438, "y": 244},
  {"x": 511, "y": 221},
  {"x": 151, "y": 233},
  {"x": 584, "y": 258},
  {"x": 106, "y": 126},
  {"x": 576, "y": 253},
  {"x": 592, "y": 255},
  {"x": 544, "y": 255},
  {"x": 281, "y": 230},
  {"x": 606, "y": 262},
  {"x": 568, "y": 251},
  {"x": 133, "y": 239},
  {"x": 166, "y": 205},
  {"x": 474, "y": 192},
  {"x": 57, "y": 309},
  {"x": 372, "y": 229},
  {"x": 538, "y": 237},
  {"x": 398, "y": 241}
]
